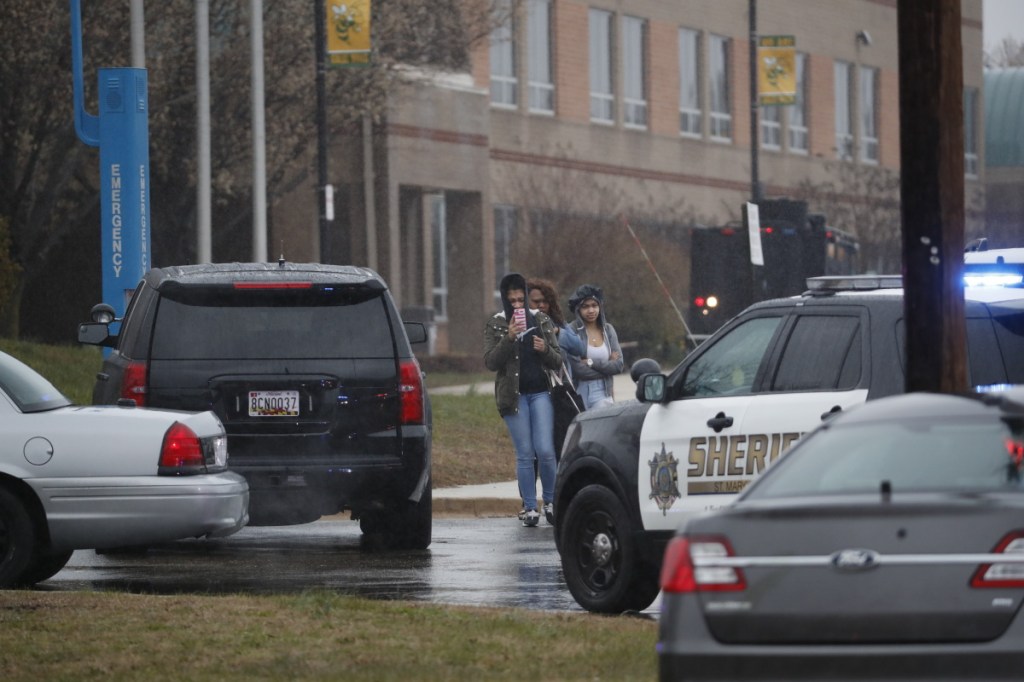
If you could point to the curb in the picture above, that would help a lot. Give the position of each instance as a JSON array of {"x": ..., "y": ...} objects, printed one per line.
[{"x": 480, "y": 507}]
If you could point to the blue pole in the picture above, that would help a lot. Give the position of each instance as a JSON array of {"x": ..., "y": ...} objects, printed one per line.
[{"x": 121, "y": 131}]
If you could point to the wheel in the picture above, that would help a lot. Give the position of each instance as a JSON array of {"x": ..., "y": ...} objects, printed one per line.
[
  {"x": 46, "y": 565},
  {"x": 408, "y": 527},
  {"x": 17, "y": 540},
  {"x": 599, "y": 555}
]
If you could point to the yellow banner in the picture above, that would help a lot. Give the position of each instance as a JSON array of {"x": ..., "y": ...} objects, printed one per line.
[
  {"x": 776, "y": 70},
  {"x": 348, "y": 32}
]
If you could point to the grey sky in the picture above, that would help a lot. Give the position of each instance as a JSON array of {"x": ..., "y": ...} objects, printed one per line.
[{"x": 1003, "y": 18}]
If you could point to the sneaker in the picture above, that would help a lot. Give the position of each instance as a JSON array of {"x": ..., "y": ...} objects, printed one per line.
[
  {"x": 522, "y": 514},
  {"x": 531, "y": 518},
  {"x": 549, "y": 512}
]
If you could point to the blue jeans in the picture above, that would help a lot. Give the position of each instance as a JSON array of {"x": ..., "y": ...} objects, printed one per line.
[{"x": 532, "y": 432}]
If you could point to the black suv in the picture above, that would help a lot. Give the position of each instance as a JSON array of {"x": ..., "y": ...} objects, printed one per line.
[
  {"x": 310, "y": 368},
  {"x": 630, "y": 474}
]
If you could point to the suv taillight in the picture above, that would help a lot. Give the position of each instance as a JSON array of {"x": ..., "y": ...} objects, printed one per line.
[
  {"x": 182, "y": 452},
  {"x": 680, "y": 573},
  {"x": 133, "y": 383},
  {"x": 410, "y": 392},
  {"x": 1005, "y": 574}
]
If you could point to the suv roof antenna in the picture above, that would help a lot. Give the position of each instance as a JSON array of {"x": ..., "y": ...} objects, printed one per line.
[{"x": 280, "y": 259}]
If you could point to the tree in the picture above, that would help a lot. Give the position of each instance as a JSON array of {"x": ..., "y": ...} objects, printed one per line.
[
  {"x": 1007, "y": 54},
  {"x": 49, "y": 179}
]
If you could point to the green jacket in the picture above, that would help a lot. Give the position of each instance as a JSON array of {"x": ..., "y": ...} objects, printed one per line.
[{"x": 501, "y": 355}]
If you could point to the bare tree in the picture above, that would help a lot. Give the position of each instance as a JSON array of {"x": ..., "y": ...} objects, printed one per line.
[
  {"x": 862, "y": 200},
  {"x": 1007, "y": 54}
]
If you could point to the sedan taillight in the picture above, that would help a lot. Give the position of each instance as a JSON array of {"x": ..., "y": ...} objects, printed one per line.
[
  {"x": 182, "y": 452},
  {"x": 1007, "y": 574},
  {"x": 685, "y": 567},
  {"x": 410, "y": 391},
  {"x": 133, "y": 383}
]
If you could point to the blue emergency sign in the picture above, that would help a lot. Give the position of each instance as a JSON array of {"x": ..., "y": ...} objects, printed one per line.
[{"x": 121, "y": 131}]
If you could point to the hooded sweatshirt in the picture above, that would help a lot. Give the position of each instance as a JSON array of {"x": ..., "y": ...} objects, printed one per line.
[{"x": 519, "y": 368}]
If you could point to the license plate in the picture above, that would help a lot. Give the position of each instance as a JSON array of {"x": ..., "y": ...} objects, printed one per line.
[{"x": 273, "y": 403}]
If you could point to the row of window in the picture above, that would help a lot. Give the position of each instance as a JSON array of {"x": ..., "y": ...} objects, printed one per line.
[{"x": 703, "y": 111}]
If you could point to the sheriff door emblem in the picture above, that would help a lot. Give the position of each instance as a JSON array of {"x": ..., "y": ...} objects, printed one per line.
[{"x": 664, "y": 480}]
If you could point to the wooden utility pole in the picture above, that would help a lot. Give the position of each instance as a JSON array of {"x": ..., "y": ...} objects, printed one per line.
[{"x": 932, "y": 193}]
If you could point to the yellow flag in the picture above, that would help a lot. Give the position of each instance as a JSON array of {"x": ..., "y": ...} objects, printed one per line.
[
  {"x": 348, "y": 32},
  {"x": 776, "y": 70}
]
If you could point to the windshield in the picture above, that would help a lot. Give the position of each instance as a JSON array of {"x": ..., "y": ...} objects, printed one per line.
[
  {"x": 912, "y": 455},
  {"x": 29, "y": 391}
]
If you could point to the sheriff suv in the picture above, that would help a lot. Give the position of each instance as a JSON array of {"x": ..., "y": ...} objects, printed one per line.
[
  {"x": 310, "y": 369},
  {"x": 631, "y": 473}
]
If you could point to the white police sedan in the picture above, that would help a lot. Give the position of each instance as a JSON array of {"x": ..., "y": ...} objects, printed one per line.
[{"x": 74, "y": 477}]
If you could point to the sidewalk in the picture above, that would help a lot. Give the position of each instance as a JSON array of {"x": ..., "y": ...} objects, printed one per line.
[{"x": 496, "y": 499}]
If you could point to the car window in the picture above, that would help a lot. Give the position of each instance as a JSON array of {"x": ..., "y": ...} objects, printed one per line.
[
  {"x": 730, "y": 364},
  {"x": 206, "y": 324},
  {"x": 30, "y": 391},
  {"x": 822, "y": 353},
  {"x": 1010, "y": 333},
  {"x": 984, "y": 358},
  {"x": 966, "y": 454}
]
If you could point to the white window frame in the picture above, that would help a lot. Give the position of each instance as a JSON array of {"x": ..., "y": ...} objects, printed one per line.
[
  {"x": 798, "y": 136},
  {"x": 843, "y": 75},
  {"x": 690, "y": 100},
  {"x": 867, "y": 81},
  {"x": 771, "y": 128},
  {"x": 602, "y": 71},
  {"x": 971, "y": 159},
  {"x": 720, "y": 105},
  {"x": 504, "y": 84},
  {"x": 634, "y": 73},
  {"x": 540, "y": 85}
]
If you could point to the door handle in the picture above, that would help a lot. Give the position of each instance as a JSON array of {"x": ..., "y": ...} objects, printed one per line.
[
  {"x": 836, "y": 409},
  {"x": 719, "y": 422},
  {"x": 102, "y": 376}
]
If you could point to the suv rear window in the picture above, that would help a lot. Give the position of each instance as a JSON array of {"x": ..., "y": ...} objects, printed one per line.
[{"x": 206, "y": 323}]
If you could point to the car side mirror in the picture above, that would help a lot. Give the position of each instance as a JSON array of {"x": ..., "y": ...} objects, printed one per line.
[
  {"x": 96, "y": 334},
  {"x": 650, "y": 388}
]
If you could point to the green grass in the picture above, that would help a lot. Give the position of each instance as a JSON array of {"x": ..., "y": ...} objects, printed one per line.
[
  {"x": 72, "y": 369},
  {"x": 312, "y": 636}
]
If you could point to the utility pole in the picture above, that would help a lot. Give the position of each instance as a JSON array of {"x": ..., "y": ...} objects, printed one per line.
[
  {"x": 755, "y": 180},
  {"x": 932, "y": 193},
  {"x": 320, "y": 39}
]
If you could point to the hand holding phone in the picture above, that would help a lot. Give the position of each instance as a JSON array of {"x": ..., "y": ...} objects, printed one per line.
[{"x": 519, "y": 319}]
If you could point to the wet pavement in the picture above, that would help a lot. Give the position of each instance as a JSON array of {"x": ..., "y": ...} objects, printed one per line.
[{"x": 477, "y": 562}]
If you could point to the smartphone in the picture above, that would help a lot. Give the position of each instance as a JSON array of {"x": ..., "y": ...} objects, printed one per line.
[{"x": 519, "y": 316}]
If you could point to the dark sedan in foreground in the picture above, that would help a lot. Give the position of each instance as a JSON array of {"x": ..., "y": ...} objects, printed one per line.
[
  {"x": 76, "y": 477},
  {"x": 889, "y": 544}
]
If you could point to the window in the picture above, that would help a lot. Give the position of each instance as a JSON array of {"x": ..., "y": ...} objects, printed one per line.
[
  {"x": 971, "y": 132},
  {"x": 506, "y": 221},
  {"x": 439, "y": 243},
  {"x": 602, "y": 95},
  {"x": 731, "y": 364},
  {"x": 844, "y": 112},
  {"x": 798, "y": 136},
  {"x": 689, "y": 83},
  {"x": 504, "y": 89},
  {"x": 823, "y": 353},
  {"x": 721, "y": 114},
  {"x": 634, "y": 46},
  {"x": 868, "y": 114},
  {"x": 771, "y": 127},
  {"x": 538, "y": 57}
]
